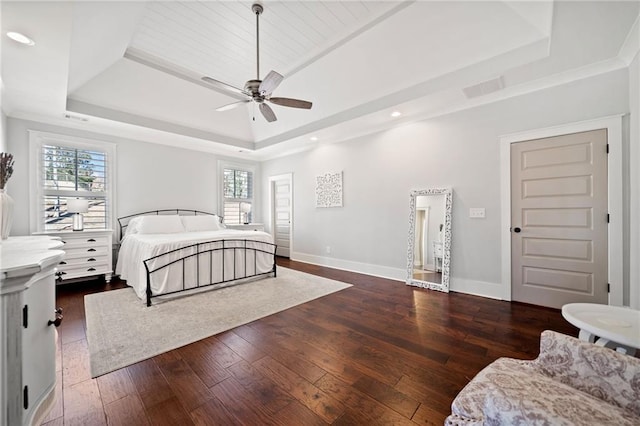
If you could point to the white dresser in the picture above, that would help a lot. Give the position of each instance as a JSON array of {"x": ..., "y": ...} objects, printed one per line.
[
  {"x": 247, "y": 226},
  {"x": 437, "y": 255},
  {"x": 27, "y": 336},
  {"x": 87, "y": 253}
]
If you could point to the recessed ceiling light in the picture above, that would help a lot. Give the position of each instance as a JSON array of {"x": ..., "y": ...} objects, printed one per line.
[
  {"x": 314, "y": 138},
  {"x": 396, "y": 114},
  {"x": 20, "y": 38}
]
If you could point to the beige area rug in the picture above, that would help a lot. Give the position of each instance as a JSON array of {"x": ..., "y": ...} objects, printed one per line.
[{"x": 121, "y": 330}]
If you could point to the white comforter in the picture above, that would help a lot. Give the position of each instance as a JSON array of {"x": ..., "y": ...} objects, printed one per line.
[{"x": 197, "y": 270}]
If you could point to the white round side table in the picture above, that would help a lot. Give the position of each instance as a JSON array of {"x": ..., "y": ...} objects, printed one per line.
[{"x": 610, "y": 326}]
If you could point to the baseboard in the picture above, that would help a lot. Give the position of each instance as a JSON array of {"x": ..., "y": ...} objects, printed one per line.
[
  {"x": 460, "y": 285},
  {"x": 351, "y": 266},
  {"x": 477, "y": 288}
]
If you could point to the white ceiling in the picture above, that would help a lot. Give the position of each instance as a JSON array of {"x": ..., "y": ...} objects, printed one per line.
[{"x": 134, "y": 69}]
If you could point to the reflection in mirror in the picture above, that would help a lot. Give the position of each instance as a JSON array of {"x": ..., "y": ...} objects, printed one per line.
[{"x": 428, "y": 259}]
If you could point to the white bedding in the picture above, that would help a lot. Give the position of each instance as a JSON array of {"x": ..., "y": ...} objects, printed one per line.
[{"x": 136, "y": 248}]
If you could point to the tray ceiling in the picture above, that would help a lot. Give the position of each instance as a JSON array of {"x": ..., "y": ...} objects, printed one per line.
[{"x": 135, "y": 68}]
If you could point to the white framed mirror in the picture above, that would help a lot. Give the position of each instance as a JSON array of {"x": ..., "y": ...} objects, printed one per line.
[{"x": 429, "y": 242}]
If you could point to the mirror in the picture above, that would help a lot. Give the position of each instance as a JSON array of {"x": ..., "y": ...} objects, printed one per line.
[{"x": 428, "y": 255}]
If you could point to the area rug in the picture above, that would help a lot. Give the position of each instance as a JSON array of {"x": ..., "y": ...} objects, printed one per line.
[{"x": 122, "y": 330}]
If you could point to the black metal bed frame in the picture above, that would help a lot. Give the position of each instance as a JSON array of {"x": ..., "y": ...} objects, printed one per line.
[
  {"x": 223, "y": 246},
  {"x": 198, "y": 250}
]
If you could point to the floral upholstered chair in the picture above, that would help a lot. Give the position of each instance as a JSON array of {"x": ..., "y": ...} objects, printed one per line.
[{"x": 572, "y": 382}]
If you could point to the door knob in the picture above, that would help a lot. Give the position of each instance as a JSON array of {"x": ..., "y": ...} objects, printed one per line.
[{"x": 517, "y": 230}]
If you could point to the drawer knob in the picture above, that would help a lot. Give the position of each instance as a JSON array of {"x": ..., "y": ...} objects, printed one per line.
[
  {"x": 58, "y": 318},
  {"x": 91, "y": 269},
  {"x": 91, "y": 240},
  {"x": 91, "y": 259},
  {"x": 62, "y": 263},
  {"x": 91, "y": 249}
]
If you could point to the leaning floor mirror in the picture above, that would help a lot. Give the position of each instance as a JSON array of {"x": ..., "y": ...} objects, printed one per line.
[{"x": 429, "y": 252}]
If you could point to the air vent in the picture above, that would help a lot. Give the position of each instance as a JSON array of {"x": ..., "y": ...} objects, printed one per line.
[
  {"x": 484, "y": 88},
  {"x": 75, "y": 117}
]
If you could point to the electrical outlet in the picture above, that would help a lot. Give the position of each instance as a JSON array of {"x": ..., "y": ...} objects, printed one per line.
[
  {"x": 328, "y": 249},
  {"x": 477, "y": 213}
]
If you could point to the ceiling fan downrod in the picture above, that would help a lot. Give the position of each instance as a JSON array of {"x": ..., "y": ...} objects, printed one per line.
[{"x": 257, "y": 9}]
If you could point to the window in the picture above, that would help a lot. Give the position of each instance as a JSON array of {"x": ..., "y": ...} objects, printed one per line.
[
  {"x": 69, "y": 169},
  {"x": 238, "y": 196}
]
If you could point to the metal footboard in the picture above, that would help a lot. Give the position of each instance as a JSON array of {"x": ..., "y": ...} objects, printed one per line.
[{"x": 197, "y": 255}]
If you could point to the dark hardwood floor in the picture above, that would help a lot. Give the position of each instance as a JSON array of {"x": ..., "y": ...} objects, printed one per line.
[{"x": 379, "y": 352}]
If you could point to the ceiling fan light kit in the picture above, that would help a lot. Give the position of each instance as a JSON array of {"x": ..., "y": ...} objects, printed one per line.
[{"x": 258, "y": 91}]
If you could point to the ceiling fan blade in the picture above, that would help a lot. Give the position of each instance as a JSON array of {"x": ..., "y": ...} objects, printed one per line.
[
  {"x": 268, "y": 113},
  {"x": 232, "y": 105},
  {"x": 270, "y": 82},
  {"x": 224, "y": 86},
  {"x": 293, "y": 103}
]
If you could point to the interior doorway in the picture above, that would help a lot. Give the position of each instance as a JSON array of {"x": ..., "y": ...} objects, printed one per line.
[{"x": 281, "y": 208}]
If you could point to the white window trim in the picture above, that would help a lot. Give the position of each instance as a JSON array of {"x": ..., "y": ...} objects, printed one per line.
[
  {"x": 36, "y": 140},
  {"x": 222, "y": 164}
]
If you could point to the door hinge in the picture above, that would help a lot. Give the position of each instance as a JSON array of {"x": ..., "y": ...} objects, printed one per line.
[
  {"x": 25, "y": 397},
  {"x": 608, "y": 217},
  {"x": 25, "y": 316},
  {"x": 607, "y": 148},
  {"x": 608, "y": 288}
]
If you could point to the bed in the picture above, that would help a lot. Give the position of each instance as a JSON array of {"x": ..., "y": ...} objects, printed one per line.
[{"x": 170, "y": 251}]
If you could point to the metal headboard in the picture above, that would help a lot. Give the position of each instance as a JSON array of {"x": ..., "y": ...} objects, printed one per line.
[{"x": 123, "y": 221}]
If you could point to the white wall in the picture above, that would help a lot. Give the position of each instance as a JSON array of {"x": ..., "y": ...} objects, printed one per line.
[
  {"x": 148, "y": 176},
  {"x": 460, "y": 150},
  {"x": 3, "y": 132},
  {"x": 634, "y": 199}
]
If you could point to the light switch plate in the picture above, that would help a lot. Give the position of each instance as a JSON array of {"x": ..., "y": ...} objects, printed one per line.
[{"x": 477, "y": 213}]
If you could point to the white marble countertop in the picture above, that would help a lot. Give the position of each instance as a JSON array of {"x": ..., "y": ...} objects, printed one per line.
[{"x": 20, "y": 256}]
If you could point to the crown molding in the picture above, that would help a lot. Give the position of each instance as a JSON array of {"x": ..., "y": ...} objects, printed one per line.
[{"x": 631, "y": 45}]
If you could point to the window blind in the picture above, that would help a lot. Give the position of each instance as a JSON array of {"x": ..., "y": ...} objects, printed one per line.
[
  {"x": 238, "y": 196},
  {"x": 68, "y": 172}
]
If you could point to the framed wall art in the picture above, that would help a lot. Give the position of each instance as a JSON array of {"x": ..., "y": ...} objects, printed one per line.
[{"x": 329, "y": 190}]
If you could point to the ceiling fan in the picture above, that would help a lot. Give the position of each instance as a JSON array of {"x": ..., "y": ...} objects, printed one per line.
[{"x": 258, "y": 91}]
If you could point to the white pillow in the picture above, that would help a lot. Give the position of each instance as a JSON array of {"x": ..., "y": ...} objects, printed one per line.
[
  {"x": 160, "y": 224},
  {"x": 201, "y": 223},
  {"x": 133, "y": 227}
]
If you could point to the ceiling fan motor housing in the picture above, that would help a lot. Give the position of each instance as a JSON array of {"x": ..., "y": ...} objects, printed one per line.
[{"x": 253, "y": 87}]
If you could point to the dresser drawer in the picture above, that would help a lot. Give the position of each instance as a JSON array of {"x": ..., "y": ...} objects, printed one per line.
[
  {"x": 81, "y": 271},
  {"x": 82, "y": 261},
  {"x": 90, "y": 251},
  {"x": 71, "y": 242}
]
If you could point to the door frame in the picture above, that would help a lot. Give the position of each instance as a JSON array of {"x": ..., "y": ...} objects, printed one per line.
[
  {"x": 615, "y": 260},
  {"x": 272, "y": 205}
]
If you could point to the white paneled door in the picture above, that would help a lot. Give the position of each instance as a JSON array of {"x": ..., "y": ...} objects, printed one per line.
[
  {"x": 559, "y": 219},
  {"x": 281, "y": 202}
]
